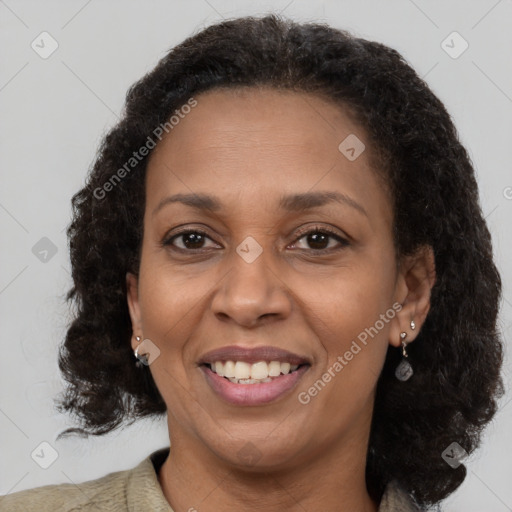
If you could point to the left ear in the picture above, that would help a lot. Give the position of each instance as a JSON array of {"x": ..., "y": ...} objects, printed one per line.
[
  {"x": 132, "y": 297},
  {"x": 416, "y": 277}
]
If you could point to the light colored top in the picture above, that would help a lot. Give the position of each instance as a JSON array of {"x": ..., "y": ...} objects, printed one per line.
[{"x": 132, "y": 490}]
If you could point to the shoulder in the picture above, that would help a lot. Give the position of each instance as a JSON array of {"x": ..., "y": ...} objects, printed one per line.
[
  {"x": 108, "y": 493},
  {"x": 396, "y": 499}
]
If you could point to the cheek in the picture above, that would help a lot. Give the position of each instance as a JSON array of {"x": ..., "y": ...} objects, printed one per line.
[
  {"x": 168, "y": 298},
  {"x": 353, "y": 315},
  {"x": 358, "y": 331},
  {"x": 352, "y": 299},
  {"x": 169, "y": 313}
]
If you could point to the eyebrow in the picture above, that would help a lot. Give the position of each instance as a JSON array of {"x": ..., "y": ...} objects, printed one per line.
[{"x": 294, "y": 202}]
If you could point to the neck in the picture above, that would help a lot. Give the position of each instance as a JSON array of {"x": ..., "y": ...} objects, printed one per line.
[{"x": 193, "y": 479}]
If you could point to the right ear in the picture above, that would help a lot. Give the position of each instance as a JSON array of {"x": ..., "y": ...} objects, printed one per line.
[{"x": 132, "y": 296}]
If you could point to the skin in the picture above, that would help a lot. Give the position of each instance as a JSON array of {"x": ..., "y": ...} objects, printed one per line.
[{"x": 247, "y": 148}]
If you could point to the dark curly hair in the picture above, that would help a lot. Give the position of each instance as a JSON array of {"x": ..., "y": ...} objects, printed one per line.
[{"x": 457, "y": 355}]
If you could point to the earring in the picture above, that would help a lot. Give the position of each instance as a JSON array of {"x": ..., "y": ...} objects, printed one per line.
[
  {"x": 413, "y": 325},
  {"x": 404, "y": 370},
  {"x": 141, "y": 359}
]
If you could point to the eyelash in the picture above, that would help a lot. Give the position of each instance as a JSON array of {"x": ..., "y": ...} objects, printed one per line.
[{"x": 167, "y": 242}]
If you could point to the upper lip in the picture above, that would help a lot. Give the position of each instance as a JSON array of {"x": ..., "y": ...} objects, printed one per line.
[{"x": 252, "y": 355}]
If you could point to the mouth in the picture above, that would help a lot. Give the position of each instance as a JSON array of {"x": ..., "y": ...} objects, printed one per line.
[
  {"x": 241, "y": 372},
  {"x": 249, "y": 377}
]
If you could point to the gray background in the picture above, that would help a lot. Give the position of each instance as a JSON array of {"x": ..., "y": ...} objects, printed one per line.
[{"x": 54, "y": 112}]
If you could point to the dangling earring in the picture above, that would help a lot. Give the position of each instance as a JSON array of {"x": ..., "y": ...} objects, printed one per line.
[
  {"x": 141, "y": 359},
  {"x": 404, "y": 370}
]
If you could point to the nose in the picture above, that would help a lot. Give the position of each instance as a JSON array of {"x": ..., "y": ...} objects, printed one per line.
[{"x": 251, "y": 294}]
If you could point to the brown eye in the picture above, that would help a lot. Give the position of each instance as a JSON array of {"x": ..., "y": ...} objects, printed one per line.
[
  {"x": 190, "y": 240},
  {"x": 318, "y": 239}
]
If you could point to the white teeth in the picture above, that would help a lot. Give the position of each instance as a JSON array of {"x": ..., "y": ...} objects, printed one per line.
[
  {"x": 259, "y": 370},
  {"x": 241, "y": 372},
  {"x": 229, "y": 369},
  {"x": 274, "y": 368},
  {"x": 219, "y": 368}
]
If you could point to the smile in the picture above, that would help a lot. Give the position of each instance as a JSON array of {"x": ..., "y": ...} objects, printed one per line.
[
  {"x": 249, "y": 376},
  {"x": 240, "y": 372},
  {"x": 250, "y": 391}
]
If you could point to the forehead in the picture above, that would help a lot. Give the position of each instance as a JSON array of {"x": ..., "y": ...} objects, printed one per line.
[
  {"x": 244, "y": 117},
  {"x": 253, "y": 141}
]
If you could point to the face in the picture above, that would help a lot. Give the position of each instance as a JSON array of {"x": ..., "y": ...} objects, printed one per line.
[{"x": 275, "y": 241}]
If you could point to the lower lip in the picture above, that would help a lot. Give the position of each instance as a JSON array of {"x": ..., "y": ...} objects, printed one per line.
[{"x": 253, "y": 394}]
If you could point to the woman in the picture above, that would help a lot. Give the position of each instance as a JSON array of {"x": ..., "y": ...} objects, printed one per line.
[{"x": 283, "y": 232}]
